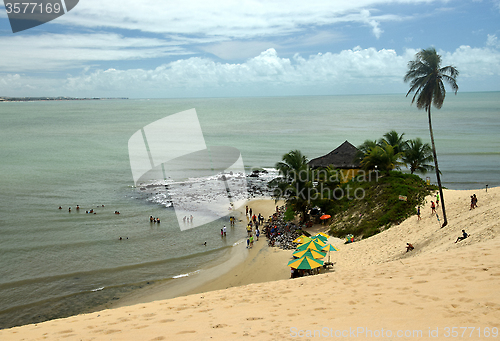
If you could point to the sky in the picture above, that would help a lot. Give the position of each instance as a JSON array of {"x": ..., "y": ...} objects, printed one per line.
[{"x": 226, "y": 48}]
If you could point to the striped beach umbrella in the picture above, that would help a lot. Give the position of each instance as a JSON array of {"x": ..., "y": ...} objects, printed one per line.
[
  {"x": 329, "y": 247},
  {"x": 309, "y": 253},
  {"x": 324, "y": 234},
  {"x": 305, "y": 263},
  {"x": 320, "y": 237},
  {"x": 302, "y": 239},
  {"x": 313, "y": 244}
]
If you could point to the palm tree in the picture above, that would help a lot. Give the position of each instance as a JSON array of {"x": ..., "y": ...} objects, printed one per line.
[
  {"x": 295, "y": 183},
  {"x": 426, "y": 76},
  {"x": 291, "y": 164},
  {"x": 393, "y": 139},
  {"x": 364, "y": 149},
  {"x": 382, "y": 158},
  {"x": 417, "y": 155}
]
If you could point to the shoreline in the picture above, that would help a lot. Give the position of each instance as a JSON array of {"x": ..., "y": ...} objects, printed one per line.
[
  {"x": 213, "y": 276},
  {"x": 376, "y": 286}
]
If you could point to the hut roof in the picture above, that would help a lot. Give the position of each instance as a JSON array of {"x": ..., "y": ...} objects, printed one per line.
[{"x": 344, "y": 156}]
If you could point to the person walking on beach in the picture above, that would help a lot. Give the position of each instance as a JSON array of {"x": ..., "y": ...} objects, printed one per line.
[
  {"x": 251, "y": 241},
  {"x": 246, "y": 208},
  {"x": 474, "y": 201},
  {"x": 224, "y": 229},
  {"x": 437, "y": 199},
  {"x": 418, "y": 213},
  {"x": 433, "y": 207}
]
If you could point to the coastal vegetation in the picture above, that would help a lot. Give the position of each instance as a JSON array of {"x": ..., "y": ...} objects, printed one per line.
[
  {"x": 426, "y": 76},
  {"x": 372, "y": 200},
  {"x": 387, "y": 201}
]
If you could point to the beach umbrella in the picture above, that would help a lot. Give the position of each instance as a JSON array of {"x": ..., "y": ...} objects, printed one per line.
[
  {"x": 320, "y": 237},
  {"x": 313, "y": 244},
  {"x": 309, "y": 253},
  {"x": 305, "y": 263},
  {"x": 302, "y": 239},
  {"x": 325, "y": 216},
  {"x": 324, "y": 234},
  {"x": 329, "y": 247}
]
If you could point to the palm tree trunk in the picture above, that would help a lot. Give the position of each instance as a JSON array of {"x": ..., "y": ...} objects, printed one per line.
[{"x": 438, "y": 177}]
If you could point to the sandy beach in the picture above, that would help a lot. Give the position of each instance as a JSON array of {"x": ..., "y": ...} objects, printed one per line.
[{"x": 441, "y": 290}]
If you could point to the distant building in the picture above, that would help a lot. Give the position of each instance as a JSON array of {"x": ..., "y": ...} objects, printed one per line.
[{"x": 342, "y": 158}]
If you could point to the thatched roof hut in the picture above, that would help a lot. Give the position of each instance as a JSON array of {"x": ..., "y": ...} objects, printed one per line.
[{"x": 343, "y": 157}]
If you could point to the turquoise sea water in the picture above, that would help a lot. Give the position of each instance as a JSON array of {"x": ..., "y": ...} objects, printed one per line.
[{"x": 54, "y": 263}]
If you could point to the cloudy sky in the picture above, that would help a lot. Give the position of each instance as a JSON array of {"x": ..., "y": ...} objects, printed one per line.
[{"x": 195, "y": 48}]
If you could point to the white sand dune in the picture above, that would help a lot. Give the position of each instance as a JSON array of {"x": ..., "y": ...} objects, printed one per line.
[{"x": 377, "y": 291}]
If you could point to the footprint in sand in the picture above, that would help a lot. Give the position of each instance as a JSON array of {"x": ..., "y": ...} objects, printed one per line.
[
  {"x": 141, "y": 327},
  {"x": 112, "y": 331},
  {"x": 67, "y": 331},
  {"x": 219, "y": 326}
]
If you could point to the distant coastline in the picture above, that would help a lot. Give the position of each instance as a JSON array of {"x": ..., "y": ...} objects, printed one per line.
[{"x": 60, "y": 98}]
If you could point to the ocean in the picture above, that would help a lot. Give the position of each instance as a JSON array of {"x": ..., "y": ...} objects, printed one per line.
[{"x": 56, "y": 263}]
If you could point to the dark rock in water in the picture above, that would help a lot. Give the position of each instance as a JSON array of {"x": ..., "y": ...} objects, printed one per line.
[{"x": 254, "y": 175}]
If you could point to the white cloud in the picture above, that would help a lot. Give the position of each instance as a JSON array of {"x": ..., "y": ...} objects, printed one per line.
[
  {"x": 355, "y": 70},
  {"x": 473, "y": 62},
  {"x": 492, "y": 41},
  {"x": 49, "y": 52},
  {"x": 230, "y": 19},
  {"x": 350, "y": 67}
]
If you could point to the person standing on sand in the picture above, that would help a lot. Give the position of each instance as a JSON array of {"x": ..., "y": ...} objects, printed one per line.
[
  {"x": 433, "y": 207},
  {"x": 224, "y": 229},
  {"x": 246, "y": 208},
  {"x": 418, "y": 213},
  {"x": 474, "y": 199},
  {"x": 437, "y": 199}
]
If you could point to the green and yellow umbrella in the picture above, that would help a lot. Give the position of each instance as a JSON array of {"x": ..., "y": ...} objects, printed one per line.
[
  {"x": 320, "y": 237},
  {"x": 302, "y": 239},
  {"x": 324, "y": 235},
  {"x": 328, "y": 247},
  {"x": 313, "y": 244},
  {"x": 309, "y": 253},
  {"x": 305, "y": 263}
]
